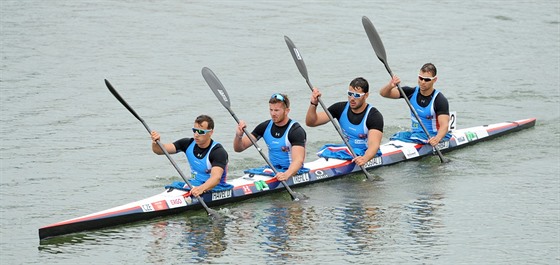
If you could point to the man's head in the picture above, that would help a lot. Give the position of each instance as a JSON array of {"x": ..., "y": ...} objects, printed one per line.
[
  {"x": 427, "y": 77},
  {"x": 206, "y": 121},
  {"x": 203, "y": 129},
  {"x": 429, "y": 68},
  {"x": 279, "y": 107},
  {"x": 280, "y": 98},
  {"x": 358, "y": 91},
  {"x": 360, "y": 84}
]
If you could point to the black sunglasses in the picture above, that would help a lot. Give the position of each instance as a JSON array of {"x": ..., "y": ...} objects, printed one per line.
[{"x": 426, "y": 79}]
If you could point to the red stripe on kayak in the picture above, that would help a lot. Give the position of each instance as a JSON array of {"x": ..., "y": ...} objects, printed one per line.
[{"x": 82, "y": 219}]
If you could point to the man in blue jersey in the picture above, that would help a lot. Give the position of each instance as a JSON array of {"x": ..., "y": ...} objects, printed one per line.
[
  {"x": 361, "y": 123},
  {"x": 207, "y": 158},
  {"x": 430, "y": 105},
  {"x": 284, "y": 137}
]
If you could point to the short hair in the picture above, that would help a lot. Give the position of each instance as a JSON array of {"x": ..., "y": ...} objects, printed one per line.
[
  {"x": 361, "y": 83},
  {"x": 429, "y": 68},
  {"x": 277, "y": 97},
  {"x": 205, "y": 118}
]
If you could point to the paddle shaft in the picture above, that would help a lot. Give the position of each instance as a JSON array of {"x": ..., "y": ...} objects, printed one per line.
[
  {"x": 125, "y": 104},
  {"x": 220, "y": 92},
  {"x": 379, "y": 49},
  {"x": 303, "y": 70}
]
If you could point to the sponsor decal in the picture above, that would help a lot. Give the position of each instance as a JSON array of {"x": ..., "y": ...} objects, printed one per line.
[
  {"x": 376, "y": 161},
  {"x": 410, "y": 152},
  {"x": 443, "y": 145},
  {"x": 461, "y": 139},
  {"x": 296, "y": 52},
  {"x": 359, "y": 141},
  {"x": 159, "y": 205},
  {"x": 221, "y": 195},
  {"x": 176, "y": 202},
  {"x": 247, "y": 189},
  {"x": 471, "y": 136},
  {"x": 300, "y": 178},
  {"x": 320, "y": 174},
  {"x": 147, "y": 207},
  {"x": 223, "y": 95}
]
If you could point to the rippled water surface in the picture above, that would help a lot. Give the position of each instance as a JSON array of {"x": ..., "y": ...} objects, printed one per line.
[{"x": 70, "y": 148}]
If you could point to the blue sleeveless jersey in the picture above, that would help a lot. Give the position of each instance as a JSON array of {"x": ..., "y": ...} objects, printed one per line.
[
  {"x": 279, "y": 148},
  {"x": 201, "y": 167},
  {"x": 427, "y": 114},
  {"x": 356, "y": 134}
]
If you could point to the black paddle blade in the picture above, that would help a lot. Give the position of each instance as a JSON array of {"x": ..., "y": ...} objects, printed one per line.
[
  {"x": 216, "y": 86},
  {"x": 297, "y": 57},
  {"x": 375, "y": 40},
  {"x": 122, "y": 101}
]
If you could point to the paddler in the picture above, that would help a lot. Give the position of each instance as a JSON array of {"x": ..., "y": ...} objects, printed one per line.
[
  {"x": 430, "y": 105},
  {"x": 361, "y": 123},
  {"x": 284, "y": 137},
  {"x": 207, "y": 158}
]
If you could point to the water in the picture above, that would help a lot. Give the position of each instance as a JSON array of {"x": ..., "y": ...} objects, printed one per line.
[{"x": 70, "y": 148}]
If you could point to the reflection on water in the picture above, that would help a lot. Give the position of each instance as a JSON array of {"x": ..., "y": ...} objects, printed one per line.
[
  {"x": 281, "y": 229},
  {"x": 56, "y": 244},
  {"x": 424, "y": 218},
  {"x": 360, "y": 225},
  {"x": 198, "y": 237},
  {"x": 204, "y": 237}
]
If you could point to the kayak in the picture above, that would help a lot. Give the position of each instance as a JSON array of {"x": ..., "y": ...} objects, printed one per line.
[{"x": 174, "y": 200}]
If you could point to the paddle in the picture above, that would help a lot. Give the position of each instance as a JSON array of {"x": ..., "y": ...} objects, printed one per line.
[
  {"x": 379, "y": 49},
  {"x": 303, "y": 70},
  {"x": 211, "y": 212},
  {"x": 222, "y": 95}
]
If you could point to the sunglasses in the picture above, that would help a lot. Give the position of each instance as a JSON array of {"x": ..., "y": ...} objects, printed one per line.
[
  {"x": 278, "y": 97},
  {"x": 355, "y": 94},
  {"x": 200, "y": 131},
  {"x": 426, "y": 79}
]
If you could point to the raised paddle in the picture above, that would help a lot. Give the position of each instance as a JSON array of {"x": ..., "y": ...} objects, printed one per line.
[
  {"x": 303, "y": 70},
  {"x": 210, "y": 212},
  {"x": 379, "y": 49},
  {"x": 222, "y": 95}
]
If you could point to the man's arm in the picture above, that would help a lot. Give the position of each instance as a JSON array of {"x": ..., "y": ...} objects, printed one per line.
[
  {"x": 242, "y": 141},
  {"x": 312, "y": 118},
  {"x": 442, "y": 112},
  {"x": 298, "y": 155},
  {"x": 170, "y": 148},
  {"x": 390, "y": 90},
  {"x": 374, "y": 141},
  {"x": 443, "y": 121},
  {"x": 215, "y": 176},
  {"x": 297, "y": 137}
]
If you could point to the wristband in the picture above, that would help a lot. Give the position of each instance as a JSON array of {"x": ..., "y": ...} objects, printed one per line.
[{"x": 313, "y": 104}]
